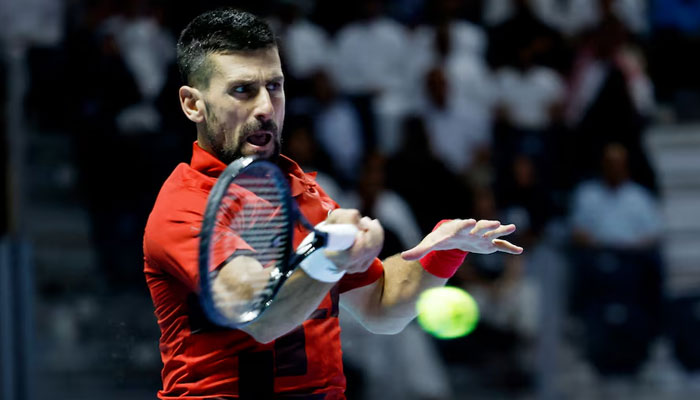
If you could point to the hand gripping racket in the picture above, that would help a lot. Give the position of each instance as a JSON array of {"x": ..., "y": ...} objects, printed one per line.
[{"x": 247, "y": 235}]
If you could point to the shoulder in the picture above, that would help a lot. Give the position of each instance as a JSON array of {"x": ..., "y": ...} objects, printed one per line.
[
  {"x": 179, "y": 204},
  {"x": 638, "y": 192},
  {"x": 588, "y": 191},
  {"x": 184, "y": 188}
]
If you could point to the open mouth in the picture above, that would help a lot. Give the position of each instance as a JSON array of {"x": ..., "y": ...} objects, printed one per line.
[{"x": 259, "y": 138}]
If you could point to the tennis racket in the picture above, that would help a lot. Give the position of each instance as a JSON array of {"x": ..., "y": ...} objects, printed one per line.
[{"x": 247, "y": 235}]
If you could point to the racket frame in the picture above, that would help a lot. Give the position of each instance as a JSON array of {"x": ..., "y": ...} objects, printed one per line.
[{"x": 290, "y": 259}]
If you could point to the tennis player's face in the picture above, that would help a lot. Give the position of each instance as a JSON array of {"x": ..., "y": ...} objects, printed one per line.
[{"x": 245, "y": 104}]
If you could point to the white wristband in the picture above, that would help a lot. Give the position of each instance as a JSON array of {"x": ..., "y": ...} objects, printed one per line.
[{"x": 319, "y": 267}]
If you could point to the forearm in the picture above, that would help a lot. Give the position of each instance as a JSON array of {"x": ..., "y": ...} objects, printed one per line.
[
  {"x": 387, "y": 306},
  {"x": 404, "y": 281},
  {"x": 299, "y": 296}
]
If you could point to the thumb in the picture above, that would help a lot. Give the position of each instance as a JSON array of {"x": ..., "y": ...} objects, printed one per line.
[{"x": 417, "y": 252}]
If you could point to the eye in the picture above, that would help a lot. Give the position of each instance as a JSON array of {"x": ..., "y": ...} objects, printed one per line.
[
  {"x": 274, "y": 86},
  {"x": 241, "y": 89}
]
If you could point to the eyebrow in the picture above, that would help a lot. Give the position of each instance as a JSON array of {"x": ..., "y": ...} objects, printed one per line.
[{"x": 243, "y": 82}]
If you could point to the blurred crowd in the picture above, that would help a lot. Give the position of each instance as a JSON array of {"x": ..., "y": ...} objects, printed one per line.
[{"x": 527, "y": 111}]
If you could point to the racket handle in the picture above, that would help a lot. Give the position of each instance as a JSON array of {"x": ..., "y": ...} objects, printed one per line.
[{"x": 340, "y": 236}]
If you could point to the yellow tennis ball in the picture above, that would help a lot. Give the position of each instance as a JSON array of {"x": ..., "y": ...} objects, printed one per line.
[{"x": 447, "y": 312}]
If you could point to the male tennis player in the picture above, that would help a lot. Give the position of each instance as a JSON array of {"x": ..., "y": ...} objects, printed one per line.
[{"x": 234, "y": 94}]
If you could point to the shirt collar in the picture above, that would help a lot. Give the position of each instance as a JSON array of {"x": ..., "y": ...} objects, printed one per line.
[
  {"x": 208, "y": 164},
  {"x": 299, "y": 181},
  {"x": 205, "y": 162}
]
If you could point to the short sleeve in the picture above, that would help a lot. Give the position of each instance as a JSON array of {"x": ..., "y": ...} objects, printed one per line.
[{"x": 171, "y": 243}]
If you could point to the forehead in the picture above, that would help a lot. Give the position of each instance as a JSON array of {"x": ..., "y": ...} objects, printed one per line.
[{"x": 252, "y": 65}]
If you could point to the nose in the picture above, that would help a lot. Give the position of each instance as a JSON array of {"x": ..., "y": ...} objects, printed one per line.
[{"x": 263, "y": 105}]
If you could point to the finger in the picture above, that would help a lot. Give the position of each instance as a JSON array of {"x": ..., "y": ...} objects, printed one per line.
[
  {"x": 503, "y": 230},
  {"x": 507, "y": 247},
  {"x": 344, "y": 215},
  {"x": 364, "y": 223},
  {"x": 375, "y": 234},
  {"x": 463, "y": 224},
  {"x": 423, "y": 248},
  {"x": 416, "y": 253},
  {"x": 484, "y": 226}
]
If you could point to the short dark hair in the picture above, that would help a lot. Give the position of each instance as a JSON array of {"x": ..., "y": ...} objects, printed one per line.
[{"x": 223, "y": 31}]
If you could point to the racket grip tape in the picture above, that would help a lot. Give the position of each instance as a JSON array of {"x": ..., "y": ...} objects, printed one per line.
[
  {"x": 340, "y": 236},
  {"x": 317, "y": 265}
]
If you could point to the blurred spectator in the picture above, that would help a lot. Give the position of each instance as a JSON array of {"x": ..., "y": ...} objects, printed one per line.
[
  {"x": 404, "y": 366},
  {"x": 458, "y": 47},
  {"x": 617, "y": 295},
  {"x": 501, "y": 347},
  {"x": 525, "y": 200},
  {"x": 530, "y": 99},
  {"x": 373, "y": 199},
  {"x": 610, "y": 99},
  {"x": 432, "y": 191},
  {"x": 608, "y": 46},
  {"x": 370, "y": 53},
  {"x": 148, "y": 50},
  {"x": 122, "y": 55},
  {"x": 96, "y": 60},
  {"x": 464, "y": 37},
  {"x": 614, "y": 211},
  {"x": 457, "y": 135},
  {"x": 370, "y": 66},
  {"x": 367, "y": 73},
  {"x": 617, "y": 278},
  {"x": 337, "y": 127},
  {"x": 32, "y": 22},
  {"x": 305, "y": 47},
  {"x": 573, "y": 17},
  {"x": 521, "y": 27},
  {"x": 529, "y": 95},
  {"x": 299, "y": 145}
]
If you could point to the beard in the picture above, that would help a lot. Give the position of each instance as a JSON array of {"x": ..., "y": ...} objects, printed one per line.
[{"x": 228, "y": 152}]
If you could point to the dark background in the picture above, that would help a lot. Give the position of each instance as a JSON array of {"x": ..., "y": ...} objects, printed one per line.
[{"x": 92, "y": 127}]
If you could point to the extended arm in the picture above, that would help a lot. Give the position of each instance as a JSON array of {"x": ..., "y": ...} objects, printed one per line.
[
  {"x": 300, "y": 295},
  {"x": 388, "y": 305}
]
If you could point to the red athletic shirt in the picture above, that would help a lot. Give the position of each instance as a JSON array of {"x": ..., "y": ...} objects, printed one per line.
[{"x": 202, "y": 361}]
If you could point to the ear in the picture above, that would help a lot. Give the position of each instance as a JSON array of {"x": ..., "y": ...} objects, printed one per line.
[{"x": 192, "y": 103}]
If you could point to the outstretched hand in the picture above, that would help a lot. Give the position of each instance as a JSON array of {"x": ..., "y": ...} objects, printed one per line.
[{"x": 480, "y": 237}]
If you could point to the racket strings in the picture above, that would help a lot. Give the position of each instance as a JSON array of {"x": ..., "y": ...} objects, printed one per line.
[{"x": 252, "y": 219}]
